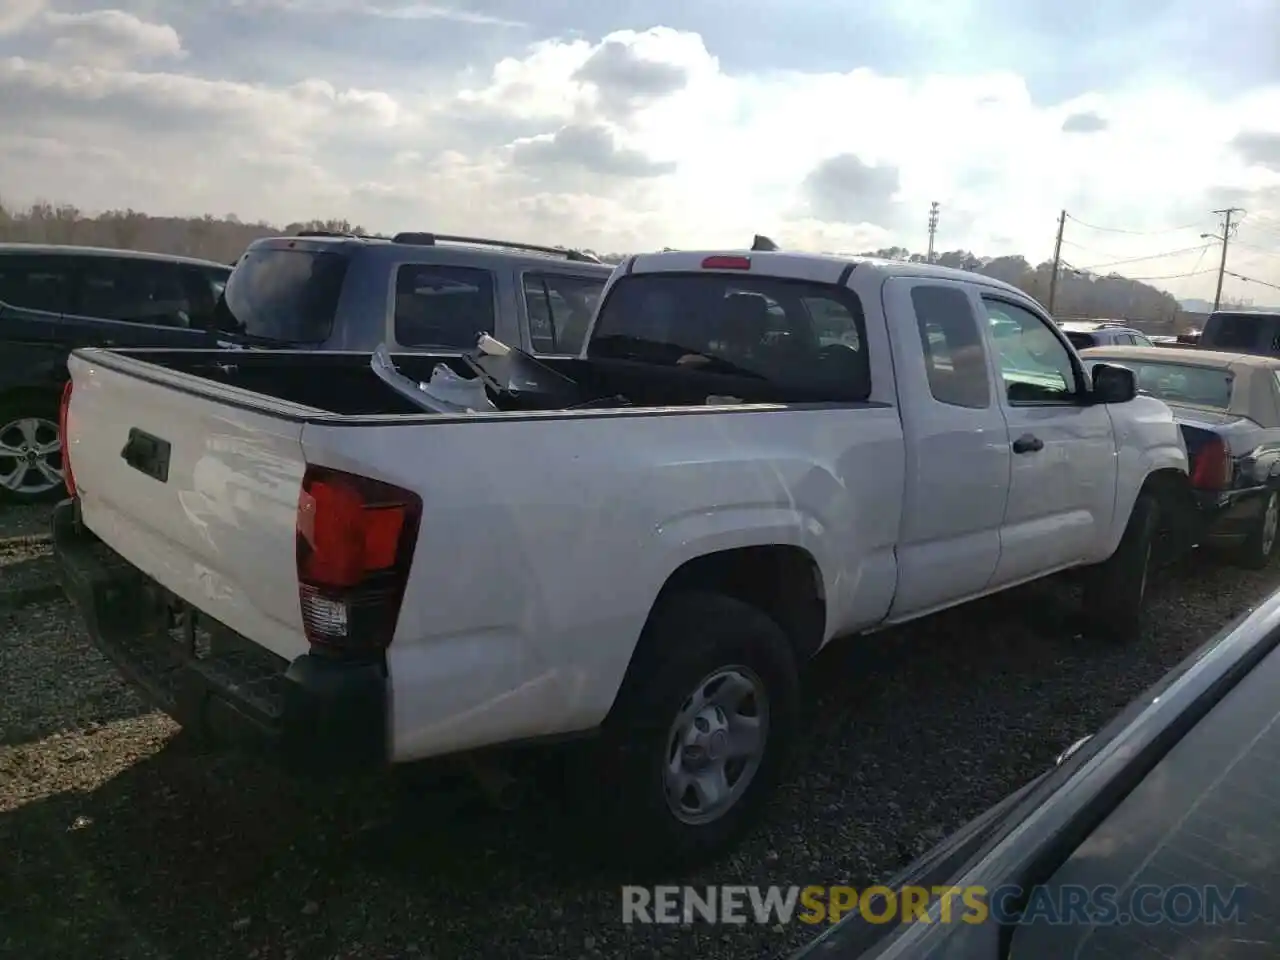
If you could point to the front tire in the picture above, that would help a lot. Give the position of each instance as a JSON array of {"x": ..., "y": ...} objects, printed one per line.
[
  {"x": 1115, "y": 590},
  {"x": 1258, "y": 549},
  {"x": 697, "y": 738}
]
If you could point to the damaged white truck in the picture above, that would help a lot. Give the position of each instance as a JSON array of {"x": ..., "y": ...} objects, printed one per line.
[{"x": 755, "y": 453}]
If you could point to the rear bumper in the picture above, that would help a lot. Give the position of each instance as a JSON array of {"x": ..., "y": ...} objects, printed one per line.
[
  {"x": 315, "y": 714},
  {"x": 1227, "y": 518}
]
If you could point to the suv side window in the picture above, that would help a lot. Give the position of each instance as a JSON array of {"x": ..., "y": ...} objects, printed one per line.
[
  {"x": 559, "y": 308},
  {"x": 954, "y": 357},
  {"x": 442, "y": 306},
  {"x": 1034, "y": 363},
  {"x": 134, "y": 291},
  {"x": 35, "y": 282}
]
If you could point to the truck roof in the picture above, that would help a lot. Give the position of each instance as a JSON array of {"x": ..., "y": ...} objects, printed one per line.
[{"x": 808, "y": 266}]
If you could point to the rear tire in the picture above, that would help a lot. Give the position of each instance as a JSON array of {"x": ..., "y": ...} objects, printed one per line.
[
  {"x": 709, "y": 670},
  {"x": 30, "y": 450},
  {"x": 1115, "y": 590},
  {"x": 1258, "y": 549}
]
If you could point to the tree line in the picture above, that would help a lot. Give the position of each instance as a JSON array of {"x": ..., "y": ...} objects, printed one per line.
[{"x": 223, "y": 239}]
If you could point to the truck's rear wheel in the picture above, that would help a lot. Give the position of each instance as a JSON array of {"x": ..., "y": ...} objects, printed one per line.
[
  {"x": 1115, "y": 591},
  {"x": 697, "y": 738}
]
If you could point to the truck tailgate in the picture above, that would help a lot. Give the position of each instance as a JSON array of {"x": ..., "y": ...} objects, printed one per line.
[{"x": 216, "y": 526}]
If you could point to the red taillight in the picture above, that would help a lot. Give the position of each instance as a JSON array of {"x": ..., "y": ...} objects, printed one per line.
[
  {"x": 63, "y": 408},
  {"x": 1212, "y": 469},
  {"x": 726, "y": 263},
  {"x": 355, "y": 541}
]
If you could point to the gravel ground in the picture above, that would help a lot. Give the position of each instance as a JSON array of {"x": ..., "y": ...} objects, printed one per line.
[
  {"x": 24, "y": 521},
  {"x": 121, "y": 839}
]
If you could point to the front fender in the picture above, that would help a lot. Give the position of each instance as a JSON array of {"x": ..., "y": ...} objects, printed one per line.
[{"x": 1148, "y": 442}]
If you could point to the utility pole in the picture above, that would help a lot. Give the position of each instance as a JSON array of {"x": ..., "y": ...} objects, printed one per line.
[
  {"x": 933, "y": 229},
  {"x": 1227, "y": 227},
  {"x": 1057, "y": 260}
]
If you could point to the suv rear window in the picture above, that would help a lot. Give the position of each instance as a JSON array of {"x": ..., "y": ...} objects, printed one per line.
[
  {"x": 795, "y": 334},
  {"x": 287, "y": 296}
]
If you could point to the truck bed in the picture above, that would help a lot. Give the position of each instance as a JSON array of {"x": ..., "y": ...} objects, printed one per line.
[{"x": 342, "y": 384}]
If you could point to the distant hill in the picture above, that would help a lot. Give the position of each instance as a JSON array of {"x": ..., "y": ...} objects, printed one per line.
[
  {"x": 1079, "y": 294},
  {"x": 1206, "y": 306},
  {"x": 223, "y": 239}
]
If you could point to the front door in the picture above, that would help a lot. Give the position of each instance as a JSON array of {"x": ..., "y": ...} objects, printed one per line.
[{"x": 1063, "y": 481}]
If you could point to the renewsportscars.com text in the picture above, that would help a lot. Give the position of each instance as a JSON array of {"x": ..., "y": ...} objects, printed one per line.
[{"x": 1097, "y": 906}]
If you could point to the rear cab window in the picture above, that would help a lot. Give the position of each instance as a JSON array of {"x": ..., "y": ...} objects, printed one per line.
[
  {"x": 798, "y": 335},
  {"x": 283, "y": 295},
  {"x": 439, "y": 306},
  {"x": 559, "y": 307}
]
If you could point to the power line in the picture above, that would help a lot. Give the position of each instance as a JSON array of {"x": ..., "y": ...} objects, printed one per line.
[
  {"x": 1176, "y": 276},
  {"x": 1094, "y": 250},
  {"x": 1239, "y": 276},
  {"x": 1253, "y": 246},
  {"x": 1154, "y": 256},
  {"x": 1133, "y": 233}
]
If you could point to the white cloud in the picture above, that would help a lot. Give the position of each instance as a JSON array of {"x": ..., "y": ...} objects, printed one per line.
[
  {"x": 643, "y": 139},
  {"x": 110, "y": 38},
  {"x": 16, "y": 15},
  {"x": 388, "y": 11}
]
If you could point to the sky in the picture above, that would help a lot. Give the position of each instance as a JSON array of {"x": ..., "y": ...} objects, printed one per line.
[{"x": 623, "y": 126}]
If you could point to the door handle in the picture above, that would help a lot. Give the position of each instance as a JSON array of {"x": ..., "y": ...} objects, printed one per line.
[{"x": 1028, "y": 443}]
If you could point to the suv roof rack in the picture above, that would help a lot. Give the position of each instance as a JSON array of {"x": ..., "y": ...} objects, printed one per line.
[
  {"x": 329, "y": 233},
  {"x": 431, "y": 239}
]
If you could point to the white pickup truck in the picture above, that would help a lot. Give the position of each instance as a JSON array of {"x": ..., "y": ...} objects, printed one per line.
[{"x": 764, "y": 451}]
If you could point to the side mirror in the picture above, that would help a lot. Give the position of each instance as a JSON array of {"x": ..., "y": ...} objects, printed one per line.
[{"x": 1113, "y": 384}]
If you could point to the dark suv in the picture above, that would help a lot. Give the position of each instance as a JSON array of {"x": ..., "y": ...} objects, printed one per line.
[
  {"x": 1242, "y": 331},
  {"x": 54, "y": 299},
  {"x": 413, "y": 292}
]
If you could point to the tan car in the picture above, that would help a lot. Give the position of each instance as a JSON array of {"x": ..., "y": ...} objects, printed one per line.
[{"x": 1228, "y": 407}]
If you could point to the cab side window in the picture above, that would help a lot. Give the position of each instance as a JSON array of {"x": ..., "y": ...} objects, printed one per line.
[
  {"x": 1034, "y": 363},
  {"x": 954, "y": 358}
]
